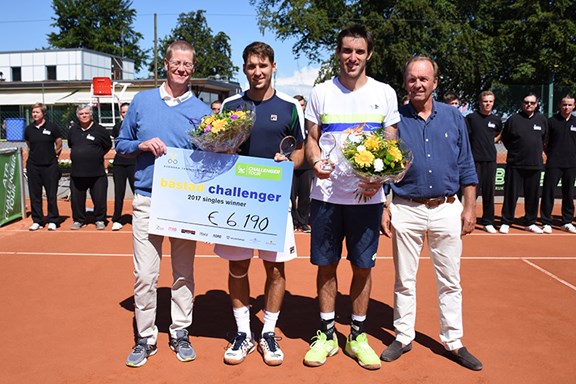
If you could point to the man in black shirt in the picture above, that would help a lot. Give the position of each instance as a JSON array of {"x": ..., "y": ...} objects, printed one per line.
[
  {"x": 484, "y": 130},
  {"x": 88, "y": 143},
  {"x": 45, "y": 144},
  {"x": 560, "y": 165},
  {"x": 123, "y": 170},
  {"x": 523, "y": 137},
  {"x": 301, "y": 187}
]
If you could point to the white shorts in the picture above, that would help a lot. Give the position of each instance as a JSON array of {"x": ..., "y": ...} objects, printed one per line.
[{"x": 233, "y": 253}]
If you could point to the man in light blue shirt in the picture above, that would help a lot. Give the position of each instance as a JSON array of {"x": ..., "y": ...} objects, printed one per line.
[{"x": 157, "y": 119}]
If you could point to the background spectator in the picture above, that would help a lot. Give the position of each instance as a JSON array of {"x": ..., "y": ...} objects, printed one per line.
[
  {"x": 45, "y": 144},
  {"x": 122, "y": 171},
  {"x": 301, "y": 186},
  {"x": 560, "y": 147},
  {"x": 484, "y": 130},
  {"x": 523, "y": 137},
  {"x": 88, "y": 143}
]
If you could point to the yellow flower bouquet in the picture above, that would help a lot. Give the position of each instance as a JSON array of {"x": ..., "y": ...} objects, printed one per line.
[
  {"x": 374, "y": 157},
  {"x": 225, "y": 131}
]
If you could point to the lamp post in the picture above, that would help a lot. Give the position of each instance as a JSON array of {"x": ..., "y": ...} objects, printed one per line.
[
  {"x": 551, "y": 96},
  {"x": 551, "y": 92}
]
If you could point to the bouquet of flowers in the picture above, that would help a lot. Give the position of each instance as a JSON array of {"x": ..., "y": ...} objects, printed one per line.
[
  {"x": 225, "y": 131},
  {"x": 374, "y": 157}
]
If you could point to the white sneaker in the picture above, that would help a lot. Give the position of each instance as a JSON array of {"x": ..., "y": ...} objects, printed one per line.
[
  {"x": 51, "y": 226},
  {"x": 270, "y": 350},
  {"x": 490, "y": 229},
  {"x": 547, "y": 228},
  {"x": 569, "y": 228},
  {"x": 504, "y": 228},
  {"x": 35, "y": 227},
  {"x": 240, "y": 348},
  {"x": 534, "y": 229},
  {"x": 116, "y": 226}
]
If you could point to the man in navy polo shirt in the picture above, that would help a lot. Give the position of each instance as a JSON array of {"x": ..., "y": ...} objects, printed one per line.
[{"x": 277, "y": 116}]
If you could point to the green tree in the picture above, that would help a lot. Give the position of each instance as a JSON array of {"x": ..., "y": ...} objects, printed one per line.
[
  {"x": 213, "y": 53},
  {"x": 477, "y": 43},
  {"x": 100, "y": 25}
]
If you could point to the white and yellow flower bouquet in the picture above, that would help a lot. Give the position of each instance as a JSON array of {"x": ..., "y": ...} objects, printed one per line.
[{"x": 374, "y": 157}]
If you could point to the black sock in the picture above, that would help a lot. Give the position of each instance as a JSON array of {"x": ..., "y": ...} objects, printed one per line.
[
  {"x": 327, "y": 328},
  {"x": 356, "y": 328}
]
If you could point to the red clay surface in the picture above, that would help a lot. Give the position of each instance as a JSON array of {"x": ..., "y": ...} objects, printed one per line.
[{"x": 67, "y": 313}]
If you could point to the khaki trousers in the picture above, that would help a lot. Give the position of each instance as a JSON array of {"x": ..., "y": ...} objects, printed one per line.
[
  {"x": 147, "y": 256},
  {"x": 412, "y": 223}
]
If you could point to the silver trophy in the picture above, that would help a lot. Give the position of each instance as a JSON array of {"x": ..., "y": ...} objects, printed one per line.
[{"x": 327, "y": 143}]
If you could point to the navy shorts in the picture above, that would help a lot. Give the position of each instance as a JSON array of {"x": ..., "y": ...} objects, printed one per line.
[{"x": 332, "y": 223}]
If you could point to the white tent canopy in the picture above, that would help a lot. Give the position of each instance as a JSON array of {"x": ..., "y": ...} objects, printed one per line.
[{"x": 50, "y": 98}]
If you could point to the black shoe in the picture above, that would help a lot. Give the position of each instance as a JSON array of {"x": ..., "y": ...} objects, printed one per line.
[
  {"x": 394, "y": 351},
  {"x": 466, "y": 359},
  {"x": 305, "y": 228}
]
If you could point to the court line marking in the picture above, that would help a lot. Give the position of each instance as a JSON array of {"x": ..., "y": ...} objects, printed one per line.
[
  {"x": 523, "y": 258},
  {"x": 550, "y": 274},
  {"x": 477, "y": 232}
]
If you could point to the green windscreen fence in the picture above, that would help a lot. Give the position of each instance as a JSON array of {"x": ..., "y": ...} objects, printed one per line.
[{"x": 11, "y": 188}]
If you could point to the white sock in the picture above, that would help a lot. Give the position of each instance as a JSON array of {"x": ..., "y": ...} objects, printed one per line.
[
  {"x": 358, "y": 317},
  {"x": 270, "y": 319},
  {"x": 242, "y": 316},
  {"x": 327, "y": 315}
]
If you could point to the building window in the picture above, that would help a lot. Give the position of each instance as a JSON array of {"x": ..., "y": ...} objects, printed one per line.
[
  {"x": 16, "y": 73},
  {"x": 51, "y": 72},
  {"x": 117, "y": 69}
]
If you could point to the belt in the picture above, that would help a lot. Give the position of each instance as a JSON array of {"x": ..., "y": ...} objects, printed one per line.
[{"x": 431, "y": 202}]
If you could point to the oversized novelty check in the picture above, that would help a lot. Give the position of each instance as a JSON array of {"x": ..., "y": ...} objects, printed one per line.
[{"x": 219, "y": 198}]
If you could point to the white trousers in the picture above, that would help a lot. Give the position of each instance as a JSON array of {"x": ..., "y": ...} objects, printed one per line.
[
  {"x": 147, "y": 256},
  {"x": 411, "y": 224}
]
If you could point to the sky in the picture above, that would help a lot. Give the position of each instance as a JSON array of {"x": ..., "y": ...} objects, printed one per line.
[{"x": 24, "y": 25}]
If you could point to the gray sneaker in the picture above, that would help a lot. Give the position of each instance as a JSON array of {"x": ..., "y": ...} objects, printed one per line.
[
  {"x": 182, "y": 347},
  {"x": 77, "y": 225},
  {"x": 140, "y": 353},
  {"x": 100, "y": 225}
]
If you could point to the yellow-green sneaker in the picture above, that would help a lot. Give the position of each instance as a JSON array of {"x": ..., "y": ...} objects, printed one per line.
[
  {"x": 320, "y": 349},
  {"x": 362, "y": 352}
]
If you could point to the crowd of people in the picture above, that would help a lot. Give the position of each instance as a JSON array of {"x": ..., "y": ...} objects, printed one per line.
[{"x": 455, "y": 160}]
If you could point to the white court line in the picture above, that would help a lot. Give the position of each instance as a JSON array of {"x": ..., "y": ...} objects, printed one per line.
[
  {"x": 523, "y": 258},
  {"x": 477, "y": 232},
  {"x": 550, "y": 274}
]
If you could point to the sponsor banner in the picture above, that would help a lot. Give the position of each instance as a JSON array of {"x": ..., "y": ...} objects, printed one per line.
[
  {"x": 12, "y": 205},
  {"x": 499, "y": 189},
  {"x": 219, "y": 198}
]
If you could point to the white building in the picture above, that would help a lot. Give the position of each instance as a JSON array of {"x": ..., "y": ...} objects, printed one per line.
[
  {"x": 64, "y": 78},
  {"x": 63, "y": 65}
]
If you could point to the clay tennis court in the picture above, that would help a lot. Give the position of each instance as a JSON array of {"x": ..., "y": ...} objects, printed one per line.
[{"x": 67, "y": 312}]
